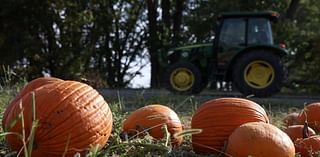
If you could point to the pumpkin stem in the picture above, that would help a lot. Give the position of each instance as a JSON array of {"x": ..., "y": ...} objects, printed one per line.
[
  {"x": 305, "y": 126},
  {"x": 305, "y": 130}
]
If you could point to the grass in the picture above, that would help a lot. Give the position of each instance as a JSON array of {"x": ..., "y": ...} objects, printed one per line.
[{"x": 185, "y": 106}]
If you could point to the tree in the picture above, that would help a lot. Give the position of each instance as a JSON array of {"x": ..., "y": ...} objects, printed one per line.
[
  {"x": 73, "y": 39},
  {"x": 164, "y": 31}
]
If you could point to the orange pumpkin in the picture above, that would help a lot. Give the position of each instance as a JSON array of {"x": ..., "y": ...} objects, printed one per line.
[
  {"x": 259, "y": 139},
  {"x": 218, "y": 118},
  {"x": 291, "y": 119},
  {"x": 152, "y": 118},
  {"x": 308, "y": 147},
  {"x": 311, "y": 114},
  {"x": 71, "y": 116},
  {"x": 296, "y": 131}
]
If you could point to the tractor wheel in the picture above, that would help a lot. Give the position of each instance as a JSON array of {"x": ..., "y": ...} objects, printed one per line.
[
  {"x": 259, "y": 73},
  {"x": 183, "y": 78}
]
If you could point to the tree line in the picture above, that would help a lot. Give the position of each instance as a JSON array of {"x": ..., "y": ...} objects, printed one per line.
[{"x": 101, "y": 40}]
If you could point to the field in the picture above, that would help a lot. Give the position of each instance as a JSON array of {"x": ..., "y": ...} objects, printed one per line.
[{"x": 185, "y": 106}]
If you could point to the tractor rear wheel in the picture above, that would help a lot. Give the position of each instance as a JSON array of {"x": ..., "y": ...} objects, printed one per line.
[
  {"x": 259, "y": 73},
  {"x": 183, "y": 78}
]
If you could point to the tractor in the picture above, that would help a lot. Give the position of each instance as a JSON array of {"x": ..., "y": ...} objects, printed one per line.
[{"x": 242, "y": 53}]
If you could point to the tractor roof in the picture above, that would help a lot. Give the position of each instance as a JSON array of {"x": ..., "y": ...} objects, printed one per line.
[
  {"x": 272, "y": 15},
  {"x": 193, "y": 46}
]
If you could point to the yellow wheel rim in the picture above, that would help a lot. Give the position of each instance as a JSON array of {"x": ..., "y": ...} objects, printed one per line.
[
  {"x": 182, "y": 79},
  {"x": 259, "y": 74}
]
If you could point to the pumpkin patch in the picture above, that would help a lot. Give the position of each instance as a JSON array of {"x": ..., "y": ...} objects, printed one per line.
[{"x": 72, "y": 117}]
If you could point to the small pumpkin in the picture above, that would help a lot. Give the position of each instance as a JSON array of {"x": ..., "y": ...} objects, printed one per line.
[
  {"x": 72, "y": 117},
  {"x": 297, "y": 131},
  {"x": 291, "y": 119},
  {"x": 308, "y": 147},
  {"x": 152, "y": 118},
  {"x": 218, "y": 118},
  {"x": 311, "y": 114},
  {"x": 259, "y": 139}
]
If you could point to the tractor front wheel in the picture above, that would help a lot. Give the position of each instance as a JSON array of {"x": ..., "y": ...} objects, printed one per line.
[{"x": 183, "y": 78}]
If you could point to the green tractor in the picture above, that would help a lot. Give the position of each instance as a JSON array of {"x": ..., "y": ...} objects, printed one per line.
[{"x": 243, "y": 53}]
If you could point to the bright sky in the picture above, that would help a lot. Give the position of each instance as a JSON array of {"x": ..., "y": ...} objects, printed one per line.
[{"x": 142, "y": 81}]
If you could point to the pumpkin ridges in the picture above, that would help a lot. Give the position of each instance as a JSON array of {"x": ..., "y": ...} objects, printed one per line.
[
  {"x": 56, "y": 132},
  {"x": 85, "y": 90},
  {"x": 76, "y": 141},
  {"x": 92, "y": 129},
  {"x": 55, "y": 91},
  {"x": 63, "y": 105},
  {"x": 224, "y": 104}
]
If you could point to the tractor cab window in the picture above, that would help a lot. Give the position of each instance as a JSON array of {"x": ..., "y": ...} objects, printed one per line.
[
  {"x": 259, "y": 31},
  {"x": 232, "y": 34}
]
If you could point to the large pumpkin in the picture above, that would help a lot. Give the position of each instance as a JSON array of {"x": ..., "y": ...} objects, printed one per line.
[
  {"x": 308, "y": 147},
  {"x": 151, "y": 119},
  {"x": 218, "y": 118},
  {"x": 311, "y": 114},
  {"x": 259, "y": 139},
  {"x": 296, "y": 131},
  {"x": 72, "y": 117}
]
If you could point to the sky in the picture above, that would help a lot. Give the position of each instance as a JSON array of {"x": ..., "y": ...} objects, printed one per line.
[{"x": 143, "y": 80}]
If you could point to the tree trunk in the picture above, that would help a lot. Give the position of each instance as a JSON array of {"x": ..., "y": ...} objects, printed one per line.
[
  {"x": 153, "y": 42},
  {"x": 165, "y": 5},
  {"x": 294, "y": 4},
  {"x": 177, "y": 20}
]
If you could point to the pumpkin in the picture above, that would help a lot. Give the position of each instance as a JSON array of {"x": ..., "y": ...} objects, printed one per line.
[
  {"x": 152, "y": 118},
  {"x": 291, "y": 119},
  {"x": 218, "y": 118},
  {"x": 311, "y": 114},
  {"x": 72, "y": 117},
  {"x": 259, "y": 139},
  {"x": 308, "y": 147},
  {"x": 296, "y": 131}
]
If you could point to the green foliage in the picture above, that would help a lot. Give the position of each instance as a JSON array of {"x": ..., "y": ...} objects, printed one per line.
[{"x": 70, "y": 39}]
